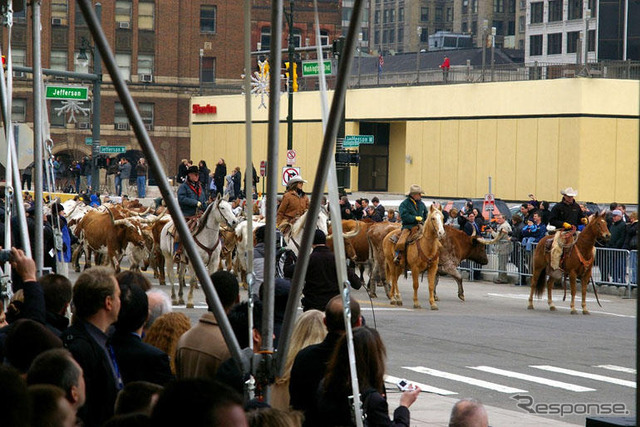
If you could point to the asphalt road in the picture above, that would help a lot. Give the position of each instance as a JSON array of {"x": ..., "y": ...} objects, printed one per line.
[{"x": 492, "y": 348}]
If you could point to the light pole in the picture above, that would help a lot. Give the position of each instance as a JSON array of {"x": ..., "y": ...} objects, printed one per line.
[
  {"x": 291, "y": 53},
  {"x": 200, "y": 67},
  {"x": 484, "y": 46},
  {"x": 359, "y": 55},
  {"x": 493, "y": 48},
  {"x": 419, "y": 31}
]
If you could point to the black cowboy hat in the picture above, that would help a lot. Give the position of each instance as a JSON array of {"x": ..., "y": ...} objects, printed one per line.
[{"x": 193, "y": 169}]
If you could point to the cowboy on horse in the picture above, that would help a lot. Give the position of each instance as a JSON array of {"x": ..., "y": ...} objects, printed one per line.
[
  {"x": 294, "y": 203},
  {"x": 566, "y": 216},
  {"x": 412, "y": 213},
  {"x": 191, "y": 198}
]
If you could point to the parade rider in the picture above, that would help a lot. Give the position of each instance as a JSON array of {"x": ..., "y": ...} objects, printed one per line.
[
  {"x": 565, "y": 216},
  {"x": 191, "y": 198},
  {"x": 294, "y": 203},
  {"x": 412, "y": 213}
]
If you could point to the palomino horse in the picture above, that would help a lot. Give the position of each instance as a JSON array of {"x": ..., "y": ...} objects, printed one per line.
[
  {"x": 577, "y": 263},
  {"x": 421, "y": 256},
  {"x": 207, "y": 239},
  {"x": 294, "y": 238}
]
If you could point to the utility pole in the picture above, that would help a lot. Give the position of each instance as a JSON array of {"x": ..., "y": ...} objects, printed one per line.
[
  {"x": 418, "y": 56},
  {"x": 493, "y": 49},
  {"x": 359, "y": 55},
  {"x": 484, "y": 46},
  {"x": 290, "y": 79},
  {"x": 95, "y": 129}
]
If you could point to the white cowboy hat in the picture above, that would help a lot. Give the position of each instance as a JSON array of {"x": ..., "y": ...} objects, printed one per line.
[
  {"x": 569, "y": 191},
  {"x": 415, "y": 189},
  {"x": 296, "y": 179}
]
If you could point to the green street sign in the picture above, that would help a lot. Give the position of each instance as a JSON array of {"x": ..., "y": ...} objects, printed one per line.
[
  {"x": 113, "y": 149},
  {"x": 310, "y": 68},
  {"x": 88, "y": 140},
  {"x": 356, "y": 140},
  {"x": 78, "y": 93}
]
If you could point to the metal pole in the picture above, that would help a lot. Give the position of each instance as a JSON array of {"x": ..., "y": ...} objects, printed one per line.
[
  {"x": 156, "y": 167},
  {"x": 418, "y": 57},
  {"x": 493, "y": 49},
  {"x": 484, "y": 47},
  {"x": 97, "y": 99},
  {"x": 290, "y": 82},
  {"x": 37, "y": 132},
  {"x": 359, "y": 55},
  {"x": 625, "y": 36}
]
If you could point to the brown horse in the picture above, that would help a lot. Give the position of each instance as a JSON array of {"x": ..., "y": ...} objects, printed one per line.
[
  {"x": 577, "y": 263},
  {"x": 420, "y": 256}
]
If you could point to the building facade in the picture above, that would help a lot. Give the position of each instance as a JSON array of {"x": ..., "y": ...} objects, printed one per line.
[{"x": 477, "y": 17}]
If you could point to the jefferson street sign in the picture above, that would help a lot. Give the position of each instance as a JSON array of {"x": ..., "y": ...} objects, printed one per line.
[
  {"x": 356, "y": 140},
  {"x": 310, "y": 68},
  {"x": 113, "y": 149},
  {"x": 78, "y": 93}
]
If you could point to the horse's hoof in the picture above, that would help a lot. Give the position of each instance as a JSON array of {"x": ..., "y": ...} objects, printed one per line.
[
  {"x": 552, "y": 308},
  {"x": 174, "y": 302},
  {"x": 417, "y": 305},
  {"x": 585, "y": 312},
  {"x": 461, "y": 296},
  {"x": 574, "y": 311},
  {"x": 180, "y": 302},
  {"x": 373, "y": 295},
  {"x": 190, "y": 305},
  {"x": 392, "y": 301},
  {"x": 436, "y": 298},
  {"x": 399, "y": 302},
  {"x": 77, "y": 269},
  {"x": 530, "y": 307},
  {"x": 434, "y": 307}
]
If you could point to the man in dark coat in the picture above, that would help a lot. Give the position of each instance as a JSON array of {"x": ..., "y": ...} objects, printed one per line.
[
  {"x": 412, "y": 212},
  {"x": 311, "y": 362},
  {"x": 191, "y": 195},
  {"x": 218, "y": 176},
  {"x": 321, "y": 282},
  {"x": 565, "y": 215}
]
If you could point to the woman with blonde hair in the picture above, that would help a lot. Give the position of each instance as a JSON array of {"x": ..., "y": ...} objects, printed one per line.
[
  {"x": 309, "y": 329},
  {"x": 165, "y": 332}
]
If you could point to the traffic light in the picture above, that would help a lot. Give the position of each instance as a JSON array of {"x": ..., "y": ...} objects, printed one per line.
[
  {"x": 295, "y": 77},
  {"x": 286, "y": 72},
  {"x": 346, "y": 158},
  {"x": 4, "y": 62}
]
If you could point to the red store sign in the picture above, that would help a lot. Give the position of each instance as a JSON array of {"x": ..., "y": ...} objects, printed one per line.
[{"x": 203, "y": 109}]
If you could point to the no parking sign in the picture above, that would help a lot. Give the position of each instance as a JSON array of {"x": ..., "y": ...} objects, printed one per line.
[{"x": 289, "y": 172}]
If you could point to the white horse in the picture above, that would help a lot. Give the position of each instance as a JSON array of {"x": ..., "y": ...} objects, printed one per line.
[
  {"x": 207, "y": 239},
  {"x": 294, "y": 238},
  {"x": 242, "y": 236}
]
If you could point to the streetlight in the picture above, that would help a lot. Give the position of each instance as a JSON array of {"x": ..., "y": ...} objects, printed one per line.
[
  {"x": 419, "y": 31},
  {"x": 493, "y": 46},
  {"x": 485, "y": 25},
  {"x": 200, "y": 66},
  {"x": 359, "y": 55}
]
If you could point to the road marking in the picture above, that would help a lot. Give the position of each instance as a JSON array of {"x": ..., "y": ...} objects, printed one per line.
[
  {"x": 617, "y": 368},
  {"x": 587, "y": 375},
  {"x": 424, "y": 387},
  {"x": 467, "y": 380},
  {"x": 526, "y": 297},
  {"x": 531, "y": 378}
]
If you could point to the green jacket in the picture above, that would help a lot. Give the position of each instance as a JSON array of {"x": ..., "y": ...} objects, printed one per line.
[{"x": 409, "y": 209}]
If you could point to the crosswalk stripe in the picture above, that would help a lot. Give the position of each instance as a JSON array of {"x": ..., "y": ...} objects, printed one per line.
[
  {"x": 617, "y": 368},
  {"x": 531, "y": 378},
  {"x": 587, "y": 375},
  {"x": 424, "y": 387},
  {"x": 467, "y": 380}
]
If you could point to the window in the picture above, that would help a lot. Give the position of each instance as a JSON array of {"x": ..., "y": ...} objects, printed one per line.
[
  {"x": 385, "y": 16},
  {"x": 401, "y": 14},
  {"x": 56, "y": 119},
  {"x": 145, "y": 64},
  {"x": 400, "y": 35},
  {"x": 80, "y": 22},
  {"x": 555, "y": 10},
  {"x": 385, "y": 37},
  {"x": 376, "y": 17},
  {"x": 465, "y": 27},
  {"x": 535, "y": 45},
  {"x": 474, "y": 6},
  {"x": 20, "y": 17},
  {"x": 392, "y": 36},
  {"x": 512, "y": 6},
  {"x": 424, "y": 14},
  {"x": 207, "y": 19},
  {"x": 19, "y": 110},
  {"x": 392, "y": 15},
  {"x": 474, "y": 27},
  {"x": 265, "y": 38},
  {"x": 449, "y": 14},
  {"x": 512, "y": 28},
  {"x": 521, "y": 24},
  {"x": 123, "y": 11},
  {"x": 145, "y": 15},
  {"x": 554, "y": 44},
  {"x": 499, "y": 27},
  {"x": 593, "y": 6},
  {"x": 18, "y": 57},
  {"x": 297, "y": 37},
  {"x": 438, "y": 14},
  {"x": 119, "y": 116},
  {"x": 376, "y": 38},
  {"x": 572, "y": 41},
  {"x": 123, "y": 60},
  {"x": 575, "y": 9},
  {"x": 58, "y": 60},
  {"x": 146, "y": 113},
  {"x": 59, "y": 10},
  {"x": 365, "y": 35},
  {"x": 536, "y": 12},
  {"x": 208, "y": 70},
  {"x": 498, "y": 6},
  {"x": 424, "y": 36},
  {"x": 592, "y": 40},
  {"x": 324, "y": 37}
]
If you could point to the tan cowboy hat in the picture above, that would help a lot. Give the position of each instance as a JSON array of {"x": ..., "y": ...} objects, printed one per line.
[
  {"x": 295, "y": 180},
  {"x": 569, "y": 191},
  {"x": 415, "y": 189}
]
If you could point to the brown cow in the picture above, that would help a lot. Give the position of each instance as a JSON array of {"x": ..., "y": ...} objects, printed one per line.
[
  {"x": 375, "y": 235},
  {"x": 356, "y": 246}
]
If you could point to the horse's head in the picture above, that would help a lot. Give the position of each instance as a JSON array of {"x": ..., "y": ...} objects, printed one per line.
[
  {"x": 598, "y": 224},
  {"x": 436, "y": 220},
  {"x": 223, "y": 213}
]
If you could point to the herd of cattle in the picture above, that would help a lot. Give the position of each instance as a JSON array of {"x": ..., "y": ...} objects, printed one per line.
[{"x": 114, "y": 231}]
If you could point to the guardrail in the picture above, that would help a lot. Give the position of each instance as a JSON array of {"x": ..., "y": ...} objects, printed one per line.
[{"x": 508, "y": 260}]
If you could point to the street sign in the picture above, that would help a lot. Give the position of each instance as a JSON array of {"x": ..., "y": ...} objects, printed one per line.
[
  {"x": 78, "y": 93},
  {"x": 351, "y": 141},
  {"x": 488, "y": 206},
  {"x": 88, "y": 140},
  {"x": 113, "y": 149},
  {"x": 291, "y": 157},
  {"x": 263, "y": 168},
  {"x": 310, "y": 68},
  {"x": 289, "y": 172}
]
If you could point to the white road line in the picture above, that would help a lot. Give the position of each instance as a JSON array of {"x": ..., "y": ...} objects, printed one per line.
[
  {"x": 526, "y": 297},
  {"x": 617, "y": 368},
  {"x": 424, "y": 387},
  {"x": 587, "y": 375},
  {"x": 531, "y": 378},
  {"x": 467, "y": 380}
]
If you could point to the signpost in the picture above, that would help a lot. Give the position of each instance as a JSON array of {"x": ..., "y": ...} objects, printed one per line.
[
  {"x": 354, "y": 141},
  {"x": 289, "y": 172},
  {"x": 310, "y": 68},
  {"x": 88, "y": 140},
  {"x": 113, "y": 149},
  {"x": 78, "y": 93},
  {"x": 488, "y": 206},
  {"x": 291, "y": 157}
]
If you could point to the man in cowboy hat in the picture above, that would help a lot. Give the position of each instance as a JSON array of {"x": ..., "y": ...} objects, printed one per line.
[
  {"x": 191, "y": 195},
  {"x": 412, "y": 212},
  {"x": 565, "y": 216},
  {"x": 294, "y": 202}
]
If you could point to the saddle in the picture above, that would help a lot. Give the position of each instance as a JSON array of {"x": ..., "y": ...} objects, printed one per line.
[
  {"x": 414, "y": 235},
  {"x": 192, "y": 224}
]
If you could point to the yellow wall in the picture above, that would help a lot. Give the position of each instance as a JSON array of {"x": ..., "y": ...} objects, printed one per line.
[{"x": 530, "y": 137}]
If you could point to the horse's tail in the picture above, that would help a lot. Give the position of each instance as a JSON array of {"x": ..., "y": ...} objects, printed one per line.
[{"x": 540, "y": 283}]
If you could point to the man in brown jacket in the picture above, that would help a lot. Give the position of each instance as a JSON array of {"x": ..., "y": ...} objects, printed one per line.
[
  {"x": 202, "y": 349},
  {"x": 294, "y": 202}
]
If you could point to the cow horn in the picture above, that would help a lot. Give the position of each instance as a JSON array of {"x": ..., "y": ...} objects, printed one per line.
[
  {"x": 121, "y": 221},
  {"x": 352, "y": 233},
  {"x": 474, "y": 232},
  {"x": 111, "y": 215},
  {"x": 498, "y": 237}
]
